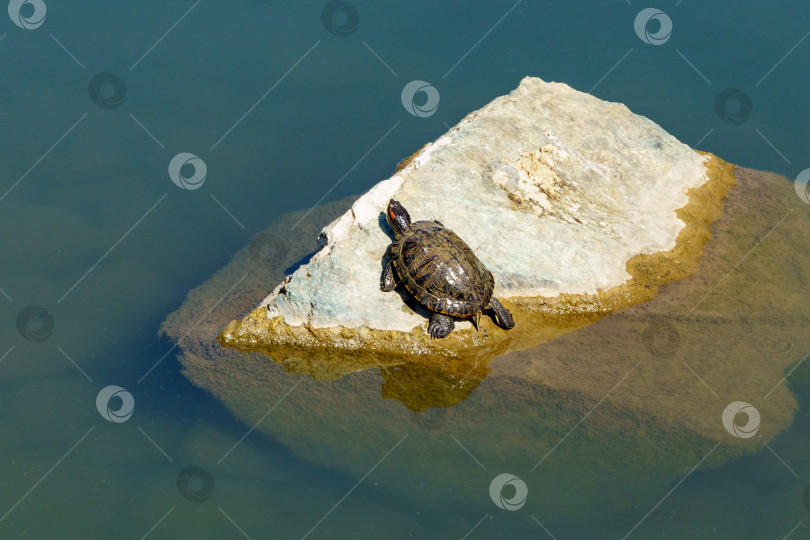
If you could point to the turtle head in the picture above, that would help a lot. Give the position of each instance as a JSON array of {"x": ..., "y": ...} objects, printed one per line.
[{"x": 397, "y": 216}]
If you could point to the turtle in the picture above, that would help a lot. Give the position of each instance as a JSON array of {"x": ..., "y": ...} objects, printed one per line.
[{"x": 440, "y": 271}]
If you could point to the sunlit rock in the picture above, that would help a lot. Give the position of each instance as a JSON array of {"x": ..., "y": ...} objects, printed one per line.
[{"x": 576, "y": 205}]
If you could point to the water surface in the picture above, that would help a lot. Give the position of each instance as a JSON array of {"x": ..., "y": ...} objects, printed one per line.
[{"x": 286, "y": 114}]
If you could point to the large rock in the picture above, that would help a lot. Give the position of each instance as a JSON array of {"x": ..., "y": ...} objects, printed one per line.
[{"x": 578, "y": 207}]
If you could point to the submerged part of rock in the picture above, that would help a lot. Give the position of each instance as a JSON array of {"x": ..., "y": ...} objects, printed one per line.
[
  {"x": 577, "y": 206},
  {"x": 653, "y": 382}
]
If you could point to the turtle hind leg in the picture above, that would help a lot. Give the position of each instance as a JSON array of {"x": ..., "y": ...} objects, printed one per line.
[
  {"x": 387, "y": 281},
  {"x": 440, "y": 325},
  {"x": 502, "y": 316}
]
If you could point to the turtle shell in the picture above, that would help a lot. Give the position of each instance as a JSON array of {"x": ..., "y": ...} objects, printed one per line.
[{"x": 440, "y": 270}]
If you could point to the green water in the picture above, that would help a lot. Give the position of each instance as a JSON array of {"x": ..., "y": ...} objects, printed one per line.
[{"x": 286, "y": 114}]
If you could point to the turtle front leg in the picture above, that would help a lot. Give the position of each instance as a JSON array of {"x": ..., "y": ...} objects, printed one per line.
[
  {"x": 387, "y": 281},
  {"x": 440, "y": 325},
  {"x": 502, "y": 316}
]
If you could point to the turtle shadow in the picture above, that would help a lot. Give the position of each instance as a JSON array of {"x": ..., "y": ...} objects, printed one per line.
[
  {"x": 407, "y": 298},
  {"x": 385, "y": 226}
]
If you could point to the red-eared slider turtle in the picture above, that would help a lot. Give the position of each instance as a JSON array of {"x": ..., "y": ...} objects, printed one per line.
[{"x": 440, "y": 271}]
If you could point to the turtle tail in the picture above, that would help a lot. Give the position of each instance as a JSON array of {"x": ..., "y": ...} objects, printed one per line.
[{"x": 502, "y": 316}]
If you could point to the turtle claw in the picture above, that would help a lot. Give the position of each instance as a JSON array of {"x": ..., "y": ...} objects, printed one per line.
[
  {"x": 502, "y": 316},
  {"x": 387, "y": 281},
  {"x": 440, "y": 325}
]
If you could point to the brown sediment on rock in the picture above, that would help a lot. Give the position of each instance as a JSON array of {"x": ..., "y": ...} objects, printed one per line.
[
  {"x": 537, "y": 319},
  {"x": 405, "y": 162}
]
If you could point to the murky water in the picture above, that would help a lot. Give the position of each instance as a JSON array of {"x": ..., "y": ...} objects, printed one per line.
[{"x": 281, "y": 112}]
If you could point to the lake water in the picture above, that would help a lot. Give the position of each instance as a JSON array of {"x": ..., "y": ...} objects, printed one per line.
[{"x": 143, "y": 145}]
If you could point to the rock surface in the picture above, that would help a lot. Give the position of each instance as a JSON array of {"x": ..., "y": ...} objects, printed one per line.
[{"x": 577, "y": 206}]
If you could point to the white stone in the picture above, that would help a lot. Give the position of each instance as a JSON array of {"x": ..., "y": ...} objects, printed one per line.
[{"x": 554, "y": 190}]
